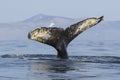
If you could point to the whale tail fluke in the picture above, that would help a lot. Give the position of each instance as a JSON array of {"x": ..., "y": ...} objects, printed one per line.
[{"x": 60, "y": 38}]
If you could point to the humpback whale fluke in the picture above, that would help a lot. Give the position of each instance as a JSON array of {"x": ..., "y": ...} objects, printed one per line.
[{"x": 60, "y": 38}]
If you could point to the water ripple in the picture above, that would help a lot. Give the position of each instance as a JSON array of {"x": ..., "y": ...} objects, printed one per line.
[{"x": 90, "y": 59}]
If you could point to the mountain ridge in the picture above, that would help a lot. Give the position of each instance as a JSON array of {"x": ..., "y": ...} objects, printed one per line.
[{"x": 19, "y": 30}]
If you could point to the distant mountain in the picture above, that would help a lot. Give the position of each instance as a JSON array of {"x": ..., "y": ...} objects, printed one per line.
[
  {"x": 42, "y": 20},
  {"x": 19, "y": 30},
  {"x": 45, "y": 20}
]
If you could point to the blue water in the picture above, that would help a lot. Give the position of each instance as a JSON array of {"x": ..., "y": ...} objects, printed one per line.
[{"x": 89, "y": 60}]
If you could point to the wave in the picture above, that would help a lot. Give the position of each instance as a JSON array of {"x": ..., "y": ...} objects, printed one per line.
[{"x": 87, "y": 59}]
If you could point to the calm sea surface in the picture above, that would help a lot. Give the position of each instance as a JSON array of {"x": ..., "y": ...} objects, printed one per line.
[{"x": 89, "y": 60}]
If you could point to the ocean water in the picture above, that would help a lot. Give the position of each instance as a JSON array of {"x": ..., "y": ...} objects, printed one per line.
[{"x": 88, "y": 60}]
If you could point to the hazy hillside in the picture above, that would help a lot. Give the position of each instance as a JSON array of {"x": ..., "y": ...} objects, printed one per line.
[{"x": 19, "y": 30}]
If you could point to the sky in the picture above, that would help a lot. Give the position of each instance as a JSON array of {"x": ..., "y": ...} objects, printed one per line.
[{"x": 18, "y": 10}]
